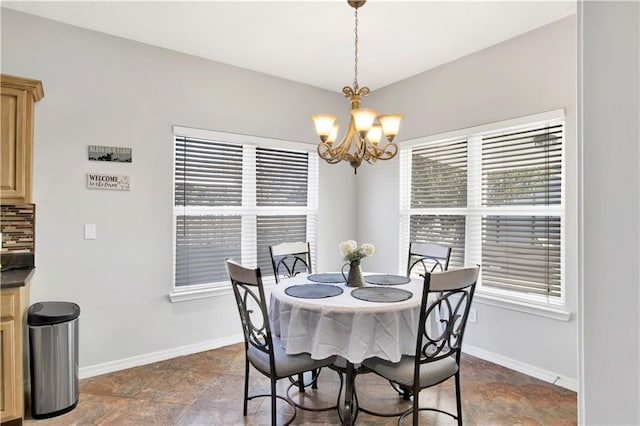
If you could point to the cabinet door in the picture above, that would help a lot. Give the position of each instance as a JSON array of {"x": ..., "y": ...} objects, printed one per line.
[
  {"x": 8, "y": 397},
  {"x": 15, "y": 154}
]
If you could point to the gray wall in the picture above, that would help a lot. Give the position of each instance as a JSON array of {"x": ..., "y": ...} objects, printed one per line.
[
  {"x": 102, "y": 90},
  {"x": 610, "y": 123},
  {"x": 530, "y": 74}
]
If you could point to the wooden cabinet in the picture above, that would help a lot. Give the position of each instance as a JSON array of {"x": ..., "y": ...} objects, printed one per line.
[
  {"x": 19, "y": 96},
  {"x": 14, "y": 302}
]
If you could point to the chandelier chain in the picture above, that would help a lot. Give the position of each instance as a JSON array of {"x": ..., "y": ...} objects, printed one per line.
[{"x": 355, "y": 78}]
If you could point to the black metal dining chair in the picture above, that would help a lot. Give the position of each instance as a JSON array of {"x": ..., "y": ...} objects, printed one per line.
[
  {"x": 427, "y": 257},
  {"x": 424, "y": 257},
  {"x": 289, "y": 259},
  {"x": 438, "y": 349},
  {"x": 263, "y": 350}
]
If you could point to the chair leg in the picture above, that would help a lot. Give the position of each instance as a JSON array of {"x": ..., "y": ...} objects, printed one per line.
[
  {"x": 300, "y": 382},
  {"x": 246, "y": 386},
  {"x": 273, "y": 402},
  {"x": 416, "y": 405},
  {"x": 458, "y": 399},
  {"x": 314, "y": 376}
]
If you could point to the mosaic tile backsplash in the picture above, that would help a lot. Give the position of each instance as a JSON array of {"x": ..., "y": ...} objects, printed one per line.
[{"x": 17, "y": 223}]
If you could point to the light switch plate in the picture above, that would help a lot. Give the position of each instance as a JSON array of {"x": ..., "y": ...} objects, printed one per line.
[
  {"x": 89, "y": 231},
  {"x": 473, "y": 315}
]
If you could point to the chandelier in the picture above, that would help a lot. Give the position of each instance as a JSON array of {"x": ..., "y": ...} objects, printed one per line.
[{"x": 366, "y": 128}]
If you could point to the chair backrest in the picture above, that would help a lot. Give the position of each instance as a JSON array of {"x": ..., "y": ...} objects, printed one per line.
[
  {"x": 249, "y": 293},
  {"x": 427, "y": 257},
  {"x": 289, "y": 259},
  {"x": 446, "y": 299}
]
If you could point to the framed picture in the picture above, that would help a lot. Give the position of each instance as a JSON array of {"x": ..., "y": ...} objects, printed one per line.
[{"x": 109, "y": 153}]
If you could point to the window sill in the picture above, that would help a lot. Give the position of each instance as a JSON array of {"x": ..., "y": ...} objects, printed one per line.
[
  {"x": 546, "y": 311},
  {"x": 204, "y": 293},
  {"x": 201, "y": 293}
]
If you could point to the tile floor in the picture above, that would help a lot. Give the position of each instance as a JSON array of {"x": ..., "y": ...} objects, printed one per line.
[{"x": 206, "y": 389}]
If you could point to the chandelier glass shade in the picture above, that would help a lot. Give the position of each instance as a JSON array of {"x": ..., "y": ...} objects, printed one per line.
[{"x": 369, "y": 136}]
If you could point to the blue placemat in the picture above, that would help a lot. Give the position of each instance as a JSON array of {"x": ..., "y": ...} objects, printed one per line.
[
  {"x": 313, "y": 291},
  {"x": 381, "y": 294},
  {"x": 327, "y": 277},
  {"x": 387, "y": 279}
]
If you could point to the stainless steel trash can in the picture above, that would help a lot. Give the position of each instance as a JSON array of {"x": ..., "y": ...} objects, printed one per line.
[{"x": 53, "y": 343}]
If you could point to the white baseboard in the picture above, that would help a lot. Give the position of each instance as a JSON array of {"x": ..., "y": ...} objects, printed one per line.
[
  {"x": 136, "y": 361},
  {"x": 529, "y": 370}
]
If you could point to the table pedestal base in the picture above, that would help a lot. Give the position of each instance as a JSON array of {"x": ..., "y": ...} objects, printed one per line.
[{"x": 348, "y": 407}]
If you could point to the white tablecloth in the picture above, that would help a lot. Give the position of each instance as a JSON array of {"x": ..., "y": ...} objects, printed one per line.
[{"x": 346, "y": 326}]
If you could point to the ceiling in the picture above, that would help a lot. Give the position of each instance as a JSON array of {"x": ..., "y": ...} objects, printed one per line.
[{"x": 312, "y": 42}]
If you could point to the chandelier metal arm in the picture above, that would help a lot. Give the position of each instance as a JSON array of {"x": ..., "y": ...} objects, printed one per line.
[
  {"x": 386, "y": 152},
  {"x": 329, "y": 151}
]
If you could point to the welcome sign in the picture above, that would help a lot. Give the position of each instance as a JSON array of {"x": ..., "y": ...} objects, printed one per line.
[{"x": 101, "y": 181}]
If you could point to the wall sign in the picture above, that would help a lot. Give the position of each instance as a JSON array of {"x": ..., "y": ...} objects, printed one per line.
[
  {"x": 109, "y": 153},
  {"x": 100, "y": 181}
]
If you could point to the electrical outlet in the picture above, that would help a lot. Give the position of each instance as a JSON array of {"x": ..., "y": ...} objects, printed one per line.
[
  {"x": 89, "y": 231},
  {"x": 473, "y": 315}
]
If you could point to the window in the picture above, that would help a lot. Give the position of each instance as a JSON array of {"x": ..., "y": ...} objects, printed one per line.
[
  {"x": 495, "y": 195},
  {"x": 234, "y": 196}
]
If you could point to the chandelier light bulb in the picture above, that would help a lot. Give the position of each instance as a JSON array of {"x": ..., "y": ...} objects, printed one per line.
[
  {"x": 333, "y": 135},
  {"x": 390, "y": 124},
  {"x": 324, "y": 124},
  {"x": 363, "y": 120},
  {"x": 375, "y": 134}
]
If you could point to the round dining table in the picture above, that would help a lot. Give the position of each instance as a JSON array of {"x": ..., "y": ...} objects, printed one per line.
[{"x": 320, "y": 315}]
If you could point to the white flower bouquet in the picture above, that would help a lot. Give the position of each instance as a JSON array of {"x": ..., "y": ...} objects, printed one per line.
[{"x": 351, "y": 252}]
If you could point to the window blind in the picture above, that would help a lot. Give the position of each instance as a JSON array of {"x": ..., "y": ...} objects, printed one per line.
[
  {"x": 281, "y": 177},
  {"x": 496, "y": 197},
  {"x": 439, "y": 175},
  {"x": 522, "y": 253},
  {"x": 446, "y": 230},
  {"x": 523, "y": 167},
  {"x": 207, "y": 173},
  {"x": 275, "y": 230},
  {"x": 202, "y": 244},
  {"x": 233, "y": 199}
]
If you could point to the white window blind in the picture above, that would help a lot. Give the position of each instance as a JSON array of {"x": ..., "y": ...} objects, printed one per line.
[
  {"x": 446, "y": 230},
  {"x": 201, "y": 241},
  {"x": 522, "y": 167},
  {"x": 234, "y": 200},
  {"x": 439, "y": 175},
  {"x": 207, "y": 173},
  {"x": 495, "y": 197},
  {"x": 281, "y": 177},
  {"x": 522, "y": 253},
  {"x": 439, "y": 185},
  {"x": 278, "y": 229}
]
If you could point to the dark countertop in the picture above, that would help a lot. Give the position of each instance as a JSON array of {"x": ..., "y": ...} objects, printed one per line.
[{"x": 16, "y": 278}]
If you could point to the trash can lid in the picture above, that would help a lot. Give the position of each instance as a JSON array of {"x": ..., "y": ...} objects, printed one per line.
[{"x": 49, "y": 313}]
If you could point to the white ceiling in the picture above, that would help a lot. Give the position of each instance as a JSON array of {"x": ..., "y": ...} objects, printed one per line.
[{"x": 312, "y": 42}]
